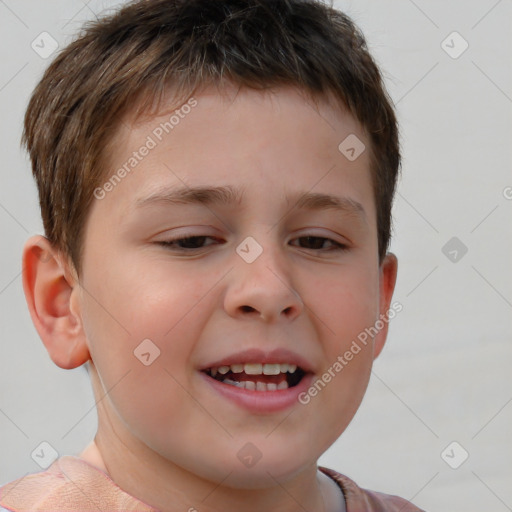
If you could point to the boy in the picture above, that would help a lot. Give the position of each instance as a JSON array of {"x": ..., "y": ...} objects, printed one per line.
[{"x": 216, "y": 181}]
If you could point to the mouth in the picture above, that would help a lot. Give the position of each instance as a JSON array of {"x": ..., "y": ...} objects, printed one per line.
[
  {"x": 260, "y": 382},
  {"x": 262, "y": 377}
]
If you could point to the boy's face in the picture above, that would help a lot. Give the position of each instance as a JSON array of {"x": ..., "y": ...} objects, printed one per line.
[{"x": 214, "y": 299}]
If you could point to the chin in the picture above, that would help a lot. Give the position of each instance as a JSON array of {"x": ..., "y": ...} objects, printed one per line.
[
  {"x": 263, "y": 476},
  {"x": 250, "y": 468}
]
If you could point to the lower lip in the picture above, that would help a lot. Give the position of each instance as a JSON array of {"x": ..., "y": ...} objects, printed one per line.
[{"x": 261, "y": 401}]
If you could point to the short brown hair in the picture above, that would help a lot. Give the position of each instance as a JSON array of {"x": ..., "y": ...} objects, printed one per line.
[{"x": 150, "y": 46}]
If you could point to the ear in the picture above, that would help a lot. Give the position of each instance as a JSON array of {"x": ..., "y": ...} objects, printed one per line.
[
  {"x": 387, "y": 281},
  {"x": 52, "y": 293}
]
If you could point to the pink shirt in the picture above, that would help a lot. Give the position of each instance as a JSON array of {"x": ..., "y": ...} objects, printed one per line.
[{"x": 71, "y": 484}]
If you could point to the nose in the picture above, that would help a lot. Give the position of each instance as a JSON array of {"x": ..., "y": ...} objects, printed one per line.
[{"x": 263, "y": 289}]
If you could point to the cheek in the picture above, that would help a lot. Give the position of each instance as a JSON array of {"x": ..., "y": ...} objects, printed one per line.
[
  {"x": 129, "y": 302},
  {"x": 141, "y": 338},
  {"x": 344, "y": 303},
  {"x": 335, "y": 394},
  {"x": 343, "y": 309}
]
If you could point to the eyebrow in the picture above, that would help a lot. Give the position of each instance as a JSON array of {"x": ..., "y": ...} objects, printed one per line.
[{"x": 231, "y": 196}]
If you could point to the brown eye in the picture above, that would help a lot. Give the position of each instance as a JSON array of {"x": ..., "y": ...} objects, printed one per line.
[
  {"x": 317, "y": 243},
  {"x": 188, "y": 243}
]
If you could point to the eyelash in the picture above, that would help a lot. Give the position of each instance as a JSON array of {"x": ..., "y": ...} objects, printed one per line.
[{"x": 170, "y": 244}]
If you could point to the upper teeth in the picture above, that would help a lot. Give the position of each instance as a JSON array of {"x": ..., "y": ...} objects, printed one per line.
[{"x": 255, "y": 368}]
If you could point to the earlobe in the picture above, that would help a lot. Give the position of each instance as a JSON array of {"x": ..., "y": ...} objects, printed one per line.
[
  {"x": 51, "y": 293},
  {"x": 387, "y": 281}
]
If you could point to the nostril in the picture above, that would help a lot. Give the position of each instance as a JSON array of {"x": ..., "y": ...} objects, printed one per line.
[{"x": 247, "y": 309}]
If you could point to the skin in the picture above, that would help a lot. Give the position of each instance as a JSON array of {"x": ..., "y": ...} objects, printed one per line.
[{"x": 164, "y": 435}]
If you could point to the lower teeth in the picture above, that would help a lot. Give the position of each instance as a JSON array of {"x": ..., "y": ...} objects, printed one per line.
[{"x": 257, "y": 386}]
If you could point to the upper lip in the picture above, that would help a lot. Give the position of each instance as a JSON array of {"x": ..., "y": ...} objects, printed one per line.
[{"x": 256, "y": 355}]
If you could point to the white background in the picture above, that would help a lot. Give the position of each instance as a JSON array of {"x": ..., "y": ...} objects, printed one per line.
[{"x": 445, "y": 373}]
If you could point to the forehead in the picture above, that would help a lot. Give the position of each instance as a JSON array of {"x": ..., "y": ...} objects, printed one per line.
[
  {"x": 232, "y": 107},
  {"x": 237, "y": 136}
]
